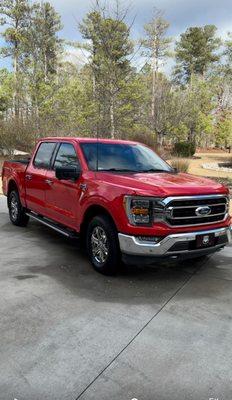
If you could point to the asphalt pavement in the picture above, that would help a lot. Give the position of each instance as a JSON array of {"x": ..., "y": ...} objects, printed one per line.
[{"x": 150, "y": 333}]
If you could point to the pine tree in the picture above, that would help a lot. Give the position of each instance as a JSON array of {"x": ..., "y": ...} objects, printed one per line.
[
  {"x": 228, "y": 54},
  {"x": 42, "y": 49},
  {"x": 43, "y": 46},
  {"x": 109, "y": 47},
  {"x": 196, "y": 51},
  {"x": 15, "y": 16},
  {"x": 157, "y": 49}
]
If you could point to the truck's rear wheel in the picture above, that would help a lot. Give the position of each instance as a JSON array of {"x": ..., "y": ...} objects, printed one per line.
[
  {"x": 102, "y": 245},
  {"x": 17, "y": 213}
]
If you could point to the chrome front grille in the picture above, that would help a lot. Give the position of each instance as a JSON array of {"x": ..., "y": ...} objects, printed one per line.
[{"x": 197, "y": 210}]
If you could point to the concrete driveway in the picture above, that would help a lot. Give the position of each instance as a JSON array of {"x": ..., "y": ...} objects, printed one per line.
[{"x": 66, "y": 332}]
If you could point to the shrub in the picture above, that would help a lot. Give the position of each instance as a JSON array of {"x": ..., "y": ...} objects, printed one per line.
[
  {"x": 163, "y": 152},
  {"x": 144, "y": 138},
  {"x": 184, "y": 149},
  {"x": 180, "y": 164}
]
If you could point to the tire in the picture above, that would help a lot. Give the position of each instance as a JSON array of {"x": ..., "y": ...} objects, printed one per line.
[
  {"x": 102, "y": 245},
  {"x": 17, "y": 213}
]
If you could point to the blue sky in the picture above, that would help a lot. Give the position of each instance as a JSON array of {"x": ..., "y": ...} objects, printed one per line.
[{"x": 180, "y": 13}]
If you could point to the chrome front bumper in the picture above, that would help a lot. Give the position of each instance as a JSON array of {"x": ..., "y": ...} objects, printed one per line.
[{"x": 132, "y": 245}]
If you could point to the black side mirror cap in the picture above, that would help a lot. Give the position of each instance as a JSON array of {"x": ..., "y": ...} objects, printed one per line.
[{"x": 67, "y": 173}]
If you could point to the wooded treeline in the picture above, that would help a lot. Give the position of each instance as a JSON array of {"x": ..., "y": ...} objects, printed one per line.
[{"x": 44, "y": 93}]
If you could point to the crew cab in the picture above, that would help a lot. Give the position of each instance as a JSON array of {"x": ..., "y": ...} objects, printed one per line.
[{"x": 120, "y": 198}]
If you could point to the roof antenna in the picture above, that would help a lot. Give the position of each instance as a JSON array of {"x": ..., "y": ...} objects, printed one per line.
[{"x": 97, "y": 163}]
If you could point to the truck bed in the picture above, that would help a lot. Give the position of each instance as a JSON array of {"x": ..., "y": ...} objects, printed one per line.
[
  {"x": 24, "y": 161},
  {"x": 14, "y": 169}
]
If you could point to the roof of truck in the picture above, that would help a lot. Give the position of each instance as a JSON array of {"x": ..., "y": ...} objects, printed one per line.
[{"x": 87, "y": 140}]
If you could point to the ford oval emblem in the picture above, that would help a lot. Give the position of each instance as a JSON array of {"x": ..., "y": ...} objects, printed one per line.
[{"x": 203, "y": 211}]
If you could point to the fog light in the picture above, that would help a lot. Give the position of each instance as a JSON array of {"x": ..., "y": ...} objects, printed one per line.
[{"x": 150, "y": 239}]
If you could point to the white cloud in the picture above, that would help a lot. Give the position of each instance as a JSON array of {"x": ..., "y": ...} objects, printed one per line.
[
  {"x": 180, "y": 13},
  {"x": 223, "y": 30},
  {"x": 78, "y": 57}
]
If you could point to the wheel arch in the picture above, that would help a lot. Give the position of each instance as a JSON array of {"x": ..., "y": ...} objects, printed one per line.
[{"x": 90, "y": 213}]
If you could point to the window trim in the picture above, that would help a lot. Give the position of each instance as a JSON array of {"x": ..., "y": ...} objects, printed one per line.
[
  {"x": 51, "y": 158},
  {"x": 56, "y": 152}
]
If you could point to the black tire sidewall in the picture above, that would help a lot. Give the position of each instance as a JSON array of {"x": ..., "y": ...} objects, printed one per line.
[
  {"x": 14, "y": 195},
  {"x": 111, "y": 264},
  {"x": 22, "y": 218}
]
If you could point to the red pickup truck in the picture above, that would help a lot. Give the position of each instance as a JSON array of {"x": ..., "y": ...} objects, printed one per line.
[{"x": 121, "y": 197}]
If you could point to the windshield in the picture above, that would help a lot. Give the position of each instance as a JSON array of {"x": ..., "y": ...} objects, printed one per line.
[{"x": 123, "y": 158}]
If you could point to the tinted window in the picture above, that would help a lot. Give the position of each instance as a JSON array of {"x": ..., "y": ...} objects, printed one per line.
[
  {"x": 66, "y": 156},
  {"x": 44, "y": 155},
  {"x": 127, "y": 157}
]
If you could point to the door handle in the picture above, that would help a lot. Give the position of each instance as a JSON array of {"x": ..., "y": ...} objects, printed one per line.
[
  {"x": 49, "y": 182},
  {"x": 83, "y": 187},
  {"x": 28, "y": 177}
]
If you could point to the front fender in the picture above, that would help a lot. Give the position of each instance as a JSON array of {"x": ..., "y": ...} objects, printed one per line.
[{"x": 99, "y": 201}]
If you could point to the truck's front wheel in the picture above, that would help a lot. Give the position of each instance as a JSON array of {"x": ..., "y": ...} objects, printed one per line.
[
  {"x": 17, "y": 213},
  {"x": 102, "y": 245}
]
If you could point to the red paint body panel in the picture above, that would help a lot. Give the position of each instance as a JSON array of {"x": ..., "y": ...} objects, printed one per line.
[
  {"x": 66, "y": 203},
  {"x": 35, "y": 189},
  {"x": 15, "y": 172}
]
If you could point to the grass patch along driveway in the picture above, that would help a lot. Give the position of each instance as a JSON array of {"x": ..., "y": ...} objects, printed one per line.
[{"x": 195, "y": 166}]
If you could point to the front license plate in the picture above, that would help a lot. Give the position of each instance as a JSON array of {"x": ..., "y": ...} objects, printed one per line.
[{"x": 203, "y": 241}]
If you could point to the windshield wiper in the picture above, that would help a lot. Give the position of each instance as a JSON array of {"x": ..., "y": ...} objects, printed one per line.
[
  {"x": 137, "y": 171},
  {"x": 117, "y": 170},
  {"x": 154, "y": 170}
]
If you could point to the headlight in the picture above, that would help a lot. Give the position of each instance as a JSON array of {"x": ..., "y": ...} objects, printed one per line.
[{"x": 141, "y": 210}]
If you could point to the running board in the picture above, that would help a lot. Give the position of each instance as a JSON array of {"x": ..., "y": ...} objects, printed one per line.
[{"x": 58, "y": 228}]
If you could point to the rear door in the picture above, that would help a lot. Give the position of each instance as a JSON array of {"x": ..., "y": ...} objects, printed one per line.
[
  {"x": 62, "y": 196},
  {"x": 35, "y": 178}
]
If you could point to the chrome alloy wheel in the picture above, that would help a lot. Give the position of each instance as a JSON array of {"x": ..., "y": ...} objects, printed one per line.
[
  {"x": 99, "y": 244},
  {"x": 14, "y": 210}
]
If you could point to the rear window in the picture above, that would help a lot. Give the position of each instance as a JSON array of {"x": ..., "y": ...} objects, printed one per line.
[{"x": 44, "y": 155}]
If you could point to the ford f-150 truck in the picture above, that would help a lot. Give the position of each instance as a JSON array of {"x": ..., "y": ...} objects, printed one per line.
[{"x": 121, "y": 198}]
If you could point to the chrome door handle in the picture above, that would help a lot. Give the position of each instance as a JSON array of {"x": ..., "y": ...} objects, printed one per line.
[
  {"x": 83, "y": 187},
  {"x": 28, "y": 177},
  {"x": 49, "y": 182}
]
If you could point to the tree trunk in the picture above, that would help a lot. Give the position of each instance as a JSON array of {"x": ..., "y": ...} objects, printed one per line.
[
  {"x": 112, "y": 123},
  {"x": 16, "y": 91},
  {"x": 95, "y": 127},
  {"x": 45, "y": 68},
  {"x": 153, "y": 91},
  {"x": 153, "y": 97},
  {"x": 154, "y": 82},
  {"x": 191, "y": 135}
]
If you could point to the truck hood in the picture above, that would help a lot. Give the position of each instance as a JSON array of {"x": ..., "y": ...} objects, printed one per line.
[{"x": 164, "y": 184}]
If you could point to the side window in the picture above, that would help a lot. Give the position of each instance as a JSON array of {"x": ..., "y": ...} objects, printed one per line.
[
  {"x": 44, "y": 155},
  {"x": 66, "y": 156}
]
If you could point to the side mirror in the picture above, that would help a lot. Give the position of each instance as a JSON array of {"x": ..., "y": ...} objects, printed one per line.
[{"x": 67, "y": 173}]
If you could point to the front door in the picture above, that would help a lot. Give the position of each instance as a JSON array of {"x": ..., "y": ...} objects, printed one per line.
[{"x": 62, "y": 196}]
